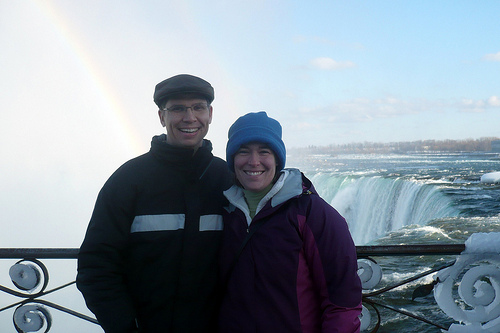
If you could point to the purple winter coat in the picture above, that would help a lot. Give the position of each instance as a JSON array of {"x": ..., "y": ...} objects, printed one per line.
[{"x": 298, "y": 272}]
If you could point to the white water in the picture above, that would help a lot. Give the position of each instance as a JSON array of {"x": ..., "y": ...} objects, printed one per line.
[{"x": 374, "y": 206}]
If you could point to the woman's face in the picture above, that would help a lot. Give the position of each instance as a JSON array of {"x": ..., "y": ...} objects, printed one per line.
[{"x": 255, "y": 166}]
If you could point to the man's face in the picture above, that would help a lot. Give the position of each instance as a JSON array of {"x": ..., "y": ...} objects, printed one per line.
[{"x": 188, "y": 127}]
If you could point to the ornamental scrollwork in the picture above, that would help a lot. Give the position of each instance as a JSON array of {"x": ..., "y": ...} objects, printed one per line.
[
  {"x": 32, "y": 318},
  {"x": 370, "y": 274},
  {"x": 31, "y": 277},
  {"x": 469, "y": 292}
]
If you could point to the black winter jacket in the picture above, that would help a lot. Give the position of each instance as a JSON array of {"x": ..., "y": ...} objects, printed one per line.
[{"x": 149, "y": 258}]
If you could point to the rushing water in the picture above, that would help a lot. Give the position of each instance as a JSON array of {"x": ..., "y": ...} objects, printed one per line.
[
  {"x": 408, "y": 199},
  {"x": 394, "y": 198}
]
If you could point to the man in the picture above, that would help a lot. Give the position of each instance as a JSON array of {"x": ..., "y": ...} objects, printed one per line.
[{"x": 149, "y": 259}]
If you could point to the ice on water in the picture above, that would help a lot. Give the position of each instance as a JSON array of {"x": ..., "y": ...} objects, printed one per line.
[{"x": 491, "y": 178}]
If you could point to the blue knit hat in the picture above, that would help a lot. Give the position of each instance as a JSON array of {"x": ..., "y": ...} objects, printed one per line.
[{"x": 255, "y": 127}]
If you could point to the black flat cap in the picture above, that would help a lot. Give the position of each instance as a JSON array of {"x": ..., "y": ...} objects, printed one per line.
[{"x": 180, "y": 84}]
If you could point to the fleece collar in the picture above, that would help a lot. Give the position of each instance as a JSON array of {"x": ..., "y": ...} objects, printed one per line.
[{"x": 288, "y": 185}]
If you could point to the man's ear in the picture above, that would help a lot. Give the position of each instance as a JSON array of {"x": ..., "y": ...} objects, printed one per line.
[
  {"x": 211, "y": 110},
  {"x": 160, "y": 115}
]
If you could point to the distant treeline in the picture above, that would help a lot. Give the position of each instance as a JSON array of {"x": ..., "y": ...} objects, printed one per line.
[{"x": 468, "y": 145}]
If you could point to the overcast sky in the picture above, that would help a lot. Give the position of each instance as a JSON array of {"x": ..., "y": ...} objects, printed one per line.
[{"x": 77, "y": 79}]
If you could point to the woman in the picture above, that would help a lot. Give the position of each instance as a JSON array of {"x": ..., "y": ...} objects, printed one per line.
[{"x": 288, "y": 259}]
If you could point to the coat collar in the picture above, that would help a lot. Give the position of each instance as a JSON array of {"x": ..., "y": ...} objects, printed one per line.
[{"x": 288, "y": 186}]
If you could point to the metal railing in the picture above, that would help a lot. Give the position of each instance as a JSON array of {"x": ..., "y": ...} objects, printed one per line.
[
  {"x": 30, "y": 280},
  {"x": 383, "y": 298}
]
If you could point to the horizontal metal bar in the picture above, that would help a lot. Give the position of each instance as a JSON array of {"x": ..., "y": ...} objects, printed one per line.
[
  {"x": 39, "y": 253},
  {"x": 406, "y": 250},
  {"x": 362, "y": 251}
]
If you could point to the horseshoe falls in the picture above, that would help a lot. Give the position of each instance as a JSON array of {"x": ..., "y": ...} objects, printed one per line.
[
  {"x": 408, "y": 198},
  {"x": 375, "y": 206}
]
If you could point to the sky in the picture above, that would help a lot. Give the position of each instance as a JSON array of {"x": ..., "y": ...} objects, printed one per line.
[{"x": 77, "y": 80}]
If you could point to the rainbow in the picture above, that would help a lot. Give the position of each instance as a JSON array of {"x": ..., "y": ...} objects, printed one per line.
[{"x": 64, "y": 29}]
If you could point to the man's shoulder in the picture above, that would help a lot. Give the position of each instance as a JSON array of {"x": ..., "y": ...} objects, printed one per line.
[
  {"x": 137, "y": 162},
  {"x": 221, "y": 166},
  {"x": 219, "y": 173},
  {"x": 219, "y": 161},
  {"x": 132, "y": 168}
]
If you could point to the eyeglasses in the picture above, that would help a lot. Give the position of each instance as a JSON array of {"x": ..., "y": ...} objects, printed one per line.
[{"x": 198, "y": 107}]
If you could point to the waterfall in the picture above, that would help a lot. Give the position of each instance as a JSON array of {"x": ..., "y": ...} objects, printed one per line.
[{"x": 374, "y": 206}]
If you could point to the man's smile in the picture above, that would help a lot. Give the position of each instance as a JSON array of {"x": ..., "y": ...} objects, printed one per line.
[{"x": 188, "y": 130}]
